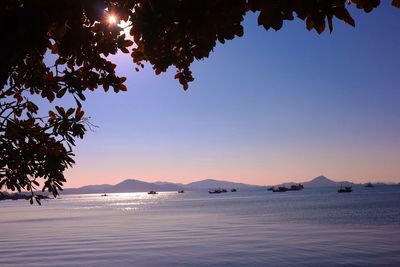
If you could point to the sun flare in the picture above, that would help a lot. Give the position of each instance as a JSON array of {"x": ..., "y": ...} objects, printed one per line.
[{"x": 112, "y": 19}]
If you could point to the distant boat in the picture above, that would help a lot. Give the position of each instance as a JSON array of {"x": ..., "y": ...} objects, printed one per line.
[
  {"x": 347, "y": 189},
  {"x": 369, "y": 185},
  {"x": 181, "y": 191},
  {"x": 296, "y": 187},
  {"x": 217, "y": 191},
  {"x": 280, "y": 189},
  {"x": 104, "y": 195},
  {"x": 284, "y": 189},
  {"x": 152, "y": 192},
  {"x": 233, "y": 190}
]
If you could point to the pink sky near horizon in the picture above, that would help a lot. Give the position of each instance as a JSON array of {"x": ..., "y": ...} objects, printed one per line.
[{"x": 238, "y": 167}]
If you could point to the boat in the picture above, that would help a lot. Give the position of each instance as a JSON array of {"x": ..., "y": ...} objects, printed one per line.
[
  {"x": 284, "y": 189},
  {"x": 104, "y": 195},
  {"x": 217, "y": 191},
  {"x": 296, "y": 187},
  {"x": 181, "y": 191},
  {"x": 280, "y": 189},
  {"x": 369, "y": 185},
  {"x": 152, "y": 192},
  {"x": 233, "y": 190},
  {"x": 346, "y": 189}
]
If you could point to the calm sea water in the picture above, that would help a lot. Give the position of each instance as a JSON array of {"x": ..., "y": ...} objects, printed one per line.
[{"x": 313, "y": 227}]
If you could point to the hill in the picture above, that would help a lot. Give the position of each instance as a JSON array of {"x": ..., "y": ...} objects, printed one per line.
[
  {"x": 319, "y": 181},
  {"x": 322, "y": 181},
  {"x": 129, "y": 185},
  {"x": 133, "y": 185}
]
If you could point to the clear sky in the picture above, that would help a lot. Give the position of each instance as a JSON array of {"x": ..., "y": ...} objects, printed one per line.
[{"x": 266, "y": 108}]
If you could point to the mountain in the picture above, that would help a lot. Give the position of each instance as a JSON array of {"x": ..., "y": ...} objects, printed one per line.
[
  {"x": 211, "y": 183},
  {"x": 133, "y": 185},
  {"x": 88, "y": 189},
  {"x": 322, "y": 181},
  {"x": 129, "y": 185}
]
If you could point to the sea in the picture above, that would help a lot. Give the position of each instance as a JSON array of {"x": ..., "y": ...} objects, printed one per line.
[{"x": 312, "y": 227}]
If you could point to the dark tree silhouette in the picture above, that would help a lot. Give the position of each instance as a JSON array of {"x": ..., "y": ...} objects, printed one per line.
[{"x": 37, "y": 147}]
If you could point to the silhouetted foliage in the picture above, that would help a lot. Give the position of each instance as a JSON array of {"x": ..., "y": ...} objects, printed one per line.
[{"x": 164, "y": 33}]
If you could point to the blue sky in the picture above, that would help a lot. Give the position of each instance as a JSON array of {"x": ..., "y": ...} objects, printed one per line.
[{"x": 263, "y": 109}]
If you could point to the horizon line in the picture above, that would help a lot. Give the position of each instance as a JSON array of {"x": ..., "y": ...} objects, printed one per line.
[{"x": 241, "y": 182}]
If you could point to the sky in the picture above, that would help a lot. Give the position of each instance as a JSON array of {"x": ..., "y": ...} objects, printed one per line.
[{"x": 266, "y": 108}]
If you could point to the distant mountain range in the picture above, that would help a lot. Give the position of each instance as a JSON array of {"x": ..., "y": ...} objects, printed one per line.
[{"x": 133, "y": 185}]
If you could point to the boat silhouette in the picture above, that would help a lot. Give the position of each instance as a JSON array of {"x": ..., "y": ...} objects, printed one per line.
[
  {"x": 369, "y": 185},
  {"x": 217, "y": 191},
  {"x": 284, "y": 189},
  {"x": 346, "y": 189}
]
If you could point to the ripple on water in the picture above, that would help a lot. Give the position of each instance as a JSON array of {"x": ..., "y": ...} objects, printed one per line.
[{"x": 312, "y": 228}]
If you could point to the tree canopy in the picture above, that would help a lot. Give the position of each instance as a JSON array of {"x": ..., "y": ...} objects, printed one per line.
[{"x": 36, "y": 146}]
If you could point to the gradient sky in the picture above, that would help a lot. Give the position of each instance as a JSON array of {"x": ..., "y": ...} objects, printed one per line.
[{"x": 266, "y": 108}]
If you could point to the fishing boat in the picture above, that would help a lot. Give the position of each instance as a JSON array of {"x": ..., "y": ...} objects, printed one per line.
[
  {"x": 284, "y": 189},
  {"x": 181, "y": 191},
  {"x": 369, "y": 185},
  {"x": 296, "y": 187},
  {"x": 280, "y": 189},
  {"x": 152, "y": 192},
  {"x": 346, "y": 189},
  {"x": 217, "y": 191}
]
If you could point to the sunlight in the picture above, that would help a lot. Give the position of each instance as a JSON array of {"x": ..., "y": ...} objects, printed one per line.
[{"x": 112, "y": 20}]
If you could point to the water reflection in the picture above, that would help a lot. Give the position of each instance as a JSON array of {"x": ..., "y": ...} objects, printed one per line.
[
  {"x": 116, "y": 201},
  {"x": 311, "y": 228}
]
